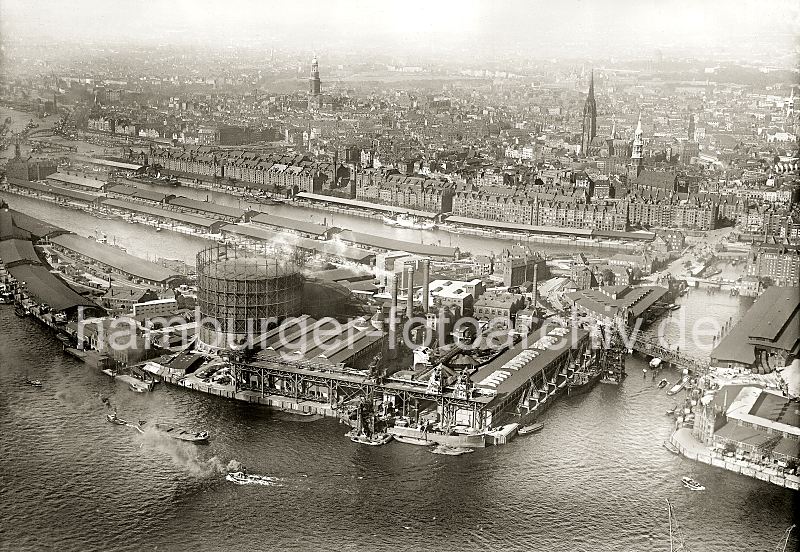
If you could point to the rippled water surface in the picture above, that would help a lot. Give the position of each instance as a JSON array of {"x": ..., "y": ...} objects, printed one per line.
[{"x": 595, "y": 479}]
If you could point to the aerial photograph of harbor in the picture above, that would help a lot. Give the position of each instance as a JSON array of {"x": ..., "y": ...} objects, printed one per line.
[{"x": 400, "y": 275}]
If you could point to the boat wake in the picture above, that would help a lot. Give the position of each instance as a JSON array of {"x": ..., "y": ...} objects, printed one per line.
[
  {"x": 182, "y": 454},
  {"x": 237, "y": 474},
  {"x": 242, "y": 478}
]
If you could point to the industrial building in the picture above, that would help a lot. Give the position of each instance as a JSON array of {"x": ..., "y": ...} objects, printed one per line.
[
  {"x": 238, "y": 292},
  {"x": 608, "y": 303},
  {"x": 768, "y": 335},
  {"x": 23, "y": 272},
  {"x": 115, "y": 261}
]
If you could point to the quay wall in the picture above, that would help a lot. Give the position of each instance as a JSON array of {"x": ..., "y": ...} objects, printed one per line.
[{"x": 768, "y": 475}]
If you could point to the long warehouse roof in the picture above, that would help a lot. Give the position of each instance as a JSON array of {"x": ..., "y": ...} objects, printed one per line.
[{"x": 113, "y": 257}]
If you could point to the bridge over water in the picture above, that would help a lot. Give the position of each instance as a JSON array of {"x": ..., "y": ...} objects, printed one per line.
[{"x": 651, "y": 347}]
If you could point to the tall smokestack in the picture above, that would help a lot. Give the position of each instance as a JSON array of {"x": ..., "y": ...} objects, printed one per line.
[
  {"x": 535, "y": 286},
  {"x": 393, "y": 312},
  {"x": 410, "y": 302},
  {"x": 394, "y": 282},
  {"x": 426, "y": 276}
]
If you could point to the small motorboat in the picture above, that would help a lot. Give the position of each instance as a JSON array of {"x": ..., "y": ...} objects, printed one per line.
[
  {"x": 242, "y": 478},
  {"x": 197, "y": 437},
  {"x": 674, "y": 307},
  {"x": 672, "y": 410},
  {"x": 534, "y": 428},
  {"x": 375, "y": 440},
  {"x": 33, "y": 383},
  {"x": 114, "y": 419},
  {"x": 670, "y": 447},
  {"x": 691, "y": 484},
  {"x": 450, "y": 450},
  {"x": 137, "y": 388},
  {"x": 678, "y": 386},
  {"x": 663, "y": 383}
]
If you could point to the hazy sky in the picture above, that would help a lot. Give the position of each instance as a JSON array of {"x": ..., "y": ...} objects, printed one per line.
[{"x": 575, "y": 28}]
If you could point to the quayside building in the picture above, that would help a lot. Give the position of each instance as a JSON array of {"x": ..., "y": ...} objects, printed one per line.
[{"x": 767, "y": 337}]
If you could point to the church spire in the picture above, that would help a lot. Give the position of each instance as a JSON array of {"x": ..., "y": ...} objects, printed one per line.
[
  {"x": 589, "y": 128},
  {"x": 638, "y": 147}
]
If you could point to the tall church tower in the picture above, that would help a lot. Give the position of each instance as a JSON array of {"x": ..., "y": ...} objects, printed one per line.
[
  {"x": 637, "y": 156},
  {"x": 589, "y": 119},
  {"x": 314, "y": 86}
]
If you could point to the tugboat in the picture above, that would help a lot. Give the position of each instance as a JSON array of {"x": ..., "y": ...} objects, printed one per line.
[
  {"x": 691, "y": 484},
  {"x": 34, "y": 383},
  {"x": 243, "y": 478},
  {"x": 198, "y": 438},
  {"x": 527, "y": 430}
]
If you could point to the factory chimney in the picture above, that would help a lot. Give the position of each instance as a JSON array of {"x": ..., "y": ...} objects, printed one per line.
[
  {"x": 535, "y": 288},
  {"x": 393, "y": 281},
  {"x": 410, "y": 302},
  {"x": 426, "y": 276}
]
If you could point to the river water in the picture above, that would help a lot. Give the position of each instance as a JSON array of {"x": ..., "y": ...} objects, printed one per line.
[{"x": 596, "y": 478}]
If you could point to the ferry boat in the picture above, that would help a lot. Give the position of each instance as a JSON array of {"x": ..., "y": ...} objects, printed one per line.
[
  {"x": 691, "y": 484},
  {"x": 406, "y": 221},
  {"x": 200, "y": 437},
  {"x": 535, "y": 428}
]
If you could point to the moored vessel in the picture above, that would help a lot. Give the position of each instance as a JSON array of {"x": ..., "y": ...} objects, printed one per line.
[
  {"x": 534, "y": 428},
  {"x": 375, "y": 440},
  {"x": 670, "y": 447},
  {"x": 678, "y": 386},
  {"x": 406, "y": 221}
]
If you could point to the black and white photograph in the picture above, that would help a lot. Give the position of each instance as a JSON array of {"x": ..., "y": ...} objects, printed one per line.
[{"x": 400, "y": 275}]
